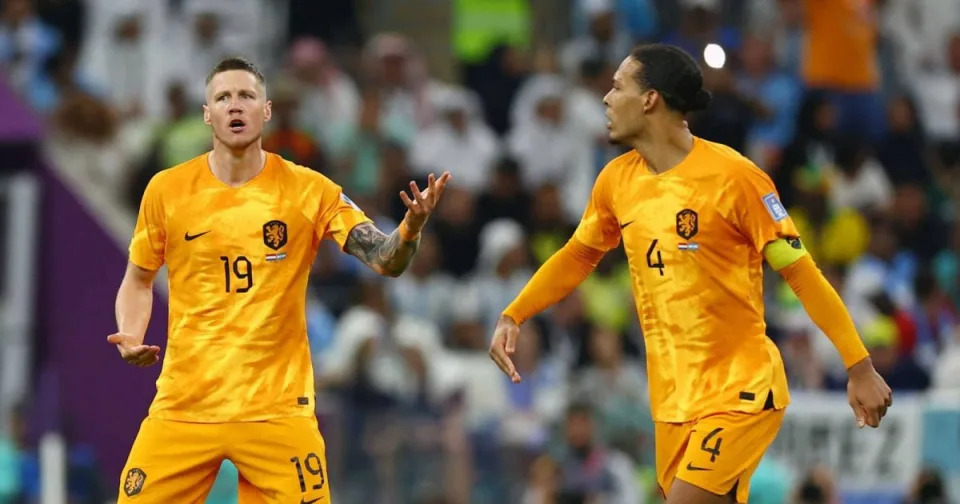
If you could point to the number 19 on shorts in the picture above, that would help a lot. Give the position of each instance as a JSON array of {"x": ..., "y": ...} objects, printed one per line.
[{"x": 314, "y": 469}]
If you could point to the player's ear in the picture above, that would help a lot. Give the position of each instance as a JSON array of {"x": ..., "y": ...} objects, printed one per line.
[
  {"x": 206, "y": 115},
  {"x": 267, "y": 111},
  {"x": 650, "y": 100}
]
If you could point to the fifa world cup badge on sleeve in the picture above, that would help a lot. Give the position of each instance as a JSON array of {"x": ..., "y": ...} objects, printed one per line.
[{"x": 776, "y": 209}]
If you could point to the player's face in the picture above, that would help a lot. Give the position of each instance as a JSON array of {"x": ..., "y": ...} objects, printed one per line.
[
  {"x": 627, "y": 103},
  {"x": 237, "y": 108}
]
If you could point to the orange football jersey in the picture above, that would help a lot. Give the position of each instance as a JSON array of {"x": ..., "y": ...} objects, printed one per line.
[
  {"x": 694, "y": 238},
  {"x": 238, "y": 260}
]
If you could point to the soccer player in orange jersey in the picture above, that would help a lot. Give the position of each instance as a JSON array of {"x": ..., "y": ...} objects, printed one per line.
[
  {"x": 238, "y": 229},
  {"x": 697, "y": 220}
]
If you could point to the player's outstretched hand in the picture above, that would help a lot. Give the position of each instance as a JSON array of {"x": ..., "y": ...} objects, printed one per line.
[
  {"x": 423, "y": 203},
  {"x": 134, "y": 351},
  {"x": 868, "y": 394},
  {"x": 504, "y": 344}
]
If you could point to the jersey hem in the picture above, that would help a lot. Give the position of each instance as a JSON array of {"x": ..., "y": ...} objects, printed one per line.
[
  {"x": 174, "y": 417},
  {"x": 777, "y": 406}
]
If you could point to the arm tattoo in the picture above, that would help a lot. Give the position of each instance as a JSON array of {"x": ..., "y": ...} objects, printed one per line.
[{"x": 388, "y": 255}]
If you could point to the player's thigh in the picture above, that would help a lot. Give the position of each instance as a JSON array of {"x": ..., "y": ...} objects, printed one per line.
[
  {"x": 281, "y": 461},
  {"x": 171, "y": 462},
  {"x": 682, "y": 492},
  {"x": 724, "y": 450},
  {"x": 670, "y": 443},
  {"x": 247, "y": 493}
]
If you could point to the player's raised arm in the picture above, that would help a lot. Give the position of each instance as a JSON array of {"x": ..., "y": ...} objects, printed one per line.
[
  {"x": 597, "y": 233},
  {"x": 765, "y": 222},
  {"x": 390, "y": 254}
]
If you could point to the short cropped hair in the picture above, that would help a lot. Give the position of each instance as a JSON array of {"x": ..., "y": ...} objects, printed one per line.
[
  {"x": 237, "y": 63},
  {"x": 674, "y": 74}
]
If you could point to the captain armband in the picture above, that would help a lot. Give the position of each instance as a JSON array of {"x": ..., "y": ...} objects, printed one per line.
[{"x": 783, "y": 252}]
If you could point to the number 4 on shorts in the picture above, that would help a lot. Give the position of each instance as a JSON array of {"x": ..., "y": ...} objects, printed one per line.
[{"x": 715, "y": 450}]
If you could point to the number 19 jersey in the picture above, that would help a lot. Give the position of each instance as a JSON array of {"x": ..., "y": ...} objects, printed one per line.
[
  {"x": 238, "y": 261},
  {"x": 694, "y": 238}
]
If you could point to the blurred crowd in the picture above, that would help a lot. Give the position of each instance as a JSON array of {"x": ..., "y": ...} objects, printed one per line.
[{"x": 859, "y": 127}]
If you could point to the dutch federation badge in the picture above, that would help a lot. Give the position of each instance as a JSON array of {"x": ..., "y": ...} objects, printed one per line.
[{"x": 776, "y": 209}]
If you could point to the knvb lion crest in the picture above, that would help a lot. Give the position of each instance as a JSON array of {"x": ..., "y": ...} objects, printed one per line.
[
  {"x": 133, "y": 483},
  {"x": 275, "y": 234},
  {"x": 687, "y": 223}
]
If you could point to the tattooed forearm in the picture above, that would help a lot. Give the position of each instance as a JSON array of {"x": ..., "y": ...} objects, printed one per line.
[{"x": 386, "y": 254}]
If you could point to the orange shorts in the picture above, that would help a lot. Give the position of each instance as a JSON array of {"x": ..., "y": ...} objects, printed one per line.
[
  {"x": 279, "y": 461},
  {"x": 717, "y": 453}
]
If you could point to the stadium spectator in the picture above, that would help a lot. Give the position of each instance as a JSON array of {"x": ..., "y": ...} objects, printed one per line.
[
  {"x": 329, "y": 106},
  {"x": 458, "y": 141},
  {"x": 497, "y": 82},
  {"x": 935, "y": 318},
  {"x": 929, "y": 488},
  {"x": 946, "y": 373},
  {"x": 424, "y": 292},
  {"x": 701, "y": 24},
  {"x": 605, "y": 39},
  {"x": 505, "y": 197},
  {"x": 817, "y": 487},
  {"x": 903, "y": 151},
  {"x": 729, "y": 116},
  {"x": 283, "y": 135},
  {"x": 118, "y": 42},
  {"x": 457, "y": 228},
  {"x": 616, "y": 389},
  {"x": 883, "y": 268},
  {"x": 774, "y": 96},
  {"x": 859, "y": 181},
  {"x": 502, "y": 269},
  {"x": 844, "y": 63},
  {"x": 25, "y": 43},
  {"x": 549, "y": 227},
  {"x": 588, "y": 469},
  {"x": 946, "y": 267}
]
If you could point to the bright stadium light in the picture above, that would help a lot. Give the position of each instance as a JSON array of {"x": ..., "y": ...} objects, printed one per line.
[{"x": 714, "y": 55}]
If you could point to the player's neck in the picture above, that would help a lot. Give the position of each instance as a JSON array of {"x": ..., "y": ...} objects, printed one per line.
[
  {"x": 664, "y": 147},
  {"x": 236, "y": 168}
]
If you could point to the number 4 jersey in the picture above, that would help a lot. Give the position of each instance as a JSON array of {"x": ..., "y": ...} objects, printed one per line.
[
  {"x": 694, "y": 238},
  {"x": 238, "y": 260}
]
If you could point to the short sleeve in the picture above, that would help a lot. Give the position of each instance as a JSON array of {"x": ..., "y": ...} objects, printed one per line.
[
  {"x": 598, "y": 226},
  {"x": 150, "y": 236},
  {"x": 338, "y": 214},
  {"x": 758, "y": 212}
]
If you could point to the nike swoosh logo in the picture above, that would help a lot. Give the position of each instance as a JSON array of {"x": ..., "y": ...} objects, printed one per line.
[
  {"x": 187, "y": 236},
  {"x": 303, "y": 500},
  {"x": 691, "y": 467},
  {"x": 625, "y": 224}
]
